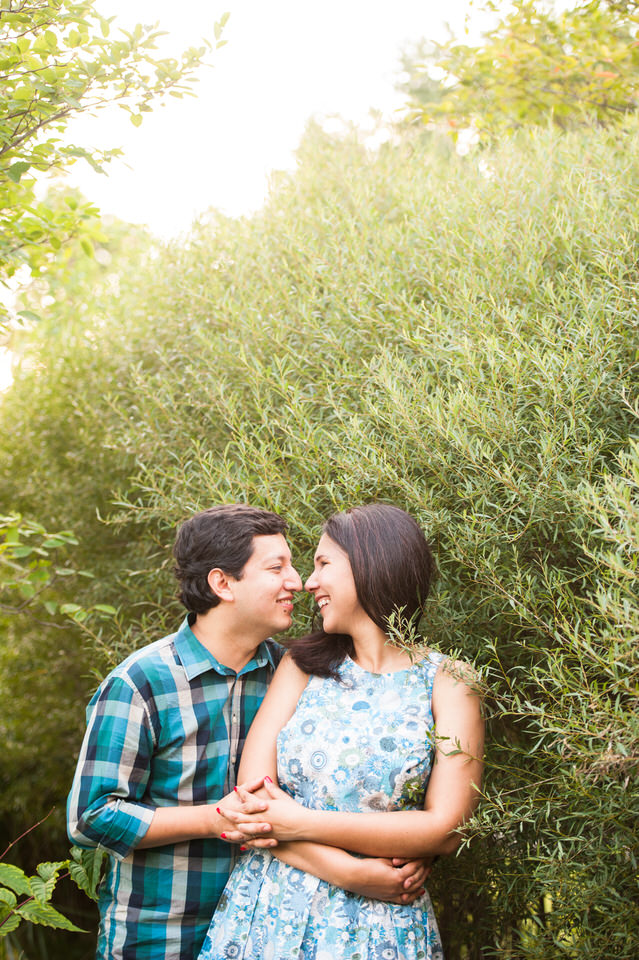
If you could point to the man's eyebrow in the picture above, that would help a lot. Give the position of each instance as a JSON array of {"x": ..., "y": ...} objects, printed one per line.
[{"x": 281, "y": 558}]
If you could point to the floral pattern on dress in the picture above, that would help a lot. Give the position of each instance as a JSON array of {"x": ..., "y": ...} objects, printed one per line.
[{"x": 362, "y": 743}]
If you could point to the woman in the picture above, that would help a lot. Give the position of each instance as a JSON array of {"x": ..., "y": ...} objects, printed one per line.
[{"x": 351, "y": 726}]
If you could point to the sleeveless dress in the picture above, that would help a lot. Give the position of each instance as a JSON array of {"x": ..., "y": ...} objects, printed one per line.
[{"x": 361, "y": 744}]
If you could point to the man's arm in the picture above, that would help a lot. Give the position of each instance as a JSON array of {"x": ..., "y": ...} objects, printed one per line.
[{"x": 106, "y": 806}]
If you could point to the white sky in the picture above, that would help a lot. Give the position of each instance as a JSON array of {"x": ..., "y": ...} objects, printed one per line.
[{"x": 284, "y": 61}]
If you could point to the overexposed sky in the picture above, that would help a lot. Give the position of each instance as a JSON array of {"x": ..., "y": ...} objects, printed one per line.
[{"x": 284, "y": 61}]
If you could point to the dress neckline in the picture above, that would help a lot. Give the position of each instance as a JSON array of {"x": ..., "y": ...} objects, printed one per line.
[{"x": 430, "y": 655}]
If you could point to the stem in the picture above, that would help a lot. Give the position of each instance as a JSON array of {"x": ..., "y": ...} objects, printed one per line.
[{"x": 13, "y": 842}]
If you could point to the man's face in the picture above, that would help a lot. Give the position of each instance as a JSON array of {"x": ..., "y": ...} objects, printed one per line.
[{"x": 263, "y": 597}]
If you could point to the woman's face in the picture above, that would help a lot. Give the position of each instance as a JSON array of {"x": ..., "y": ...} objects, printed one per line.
[{"x": 333, "y": 587}]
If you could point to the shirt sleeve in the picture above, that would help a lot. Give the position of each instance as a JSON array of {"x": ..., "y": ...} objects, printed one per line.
[{"x": 105, "y": 806}]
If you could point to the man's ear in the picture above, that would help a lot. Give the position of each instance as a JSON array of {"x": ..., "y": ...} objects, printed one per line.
[{"x": 220, "y": 584}]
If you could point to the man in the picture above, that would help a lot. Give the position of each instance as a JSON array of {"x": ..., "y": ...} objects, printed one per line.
[
  {"x": 165, "y": 733},
  {"x": 164, "y": 738}
]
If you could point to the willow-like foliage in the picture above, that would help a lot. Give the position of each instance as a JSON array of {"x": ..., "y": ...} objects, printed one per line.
[{"x": 456, "y": 335}]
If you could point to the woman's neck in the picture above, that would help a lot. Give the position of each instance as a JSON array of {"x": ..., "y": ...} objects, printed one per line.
[{"x": 374, "y": 652}]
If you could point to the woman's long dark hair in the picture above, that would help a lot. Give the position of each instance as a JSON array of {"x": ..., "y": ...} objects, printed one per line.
[{"x": 392, "y": 568}]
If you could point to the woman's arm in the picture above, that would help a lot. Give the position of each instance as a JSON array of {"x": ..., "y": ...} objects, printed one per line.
[
  {"x": 450, "y": 799},
  {"x": 377, "y": 878}
]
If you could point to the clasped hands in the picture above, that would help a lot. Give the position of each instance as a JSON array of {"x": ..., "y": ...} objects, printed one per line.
[
  {"x": 246, "y": 813},
  {"x": 273, "y": 817}
]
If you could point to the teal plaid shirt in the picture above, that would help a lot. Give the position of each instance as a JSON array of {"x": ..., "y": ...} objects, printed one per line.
[{"x": 166, "y": 727}]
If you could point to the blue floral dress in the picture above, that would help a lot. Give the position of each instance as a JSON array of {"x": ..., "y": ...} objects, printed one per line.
[{"x": 361, "y": 744}]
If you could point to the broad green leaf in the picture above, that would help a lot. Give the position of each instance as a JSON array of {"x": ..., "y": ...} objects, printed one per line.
[
  {"x": 9, "y": 921},
  {"x": 46, "y": 915},
  {"x": 23, "y": 93},
  {"x": 14, "y": 878},
  {"x": 16, "y": 170},
  {"x": 85, "y": 868},
  {"x": 136, "y": 119},
  {"x": 8, "y": 897},
  {"x": 50, "y": 869}
]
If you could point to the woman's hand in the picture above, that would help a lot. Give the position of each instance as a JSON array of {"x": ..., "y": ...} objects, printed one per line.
[
  {"x": 286, "y": 819},
  {"x": 394, "y": 881},
  {"x": 245, "y": 802}
]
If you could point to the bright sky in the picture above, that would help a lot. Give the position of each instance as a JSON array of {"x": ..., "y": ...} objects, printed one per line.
[{"x": 284, "y": 61}]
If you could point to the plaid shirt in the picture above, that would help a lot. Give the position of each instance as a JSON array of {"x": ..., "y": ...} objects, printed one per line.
[{"x": 166, "y": 727}]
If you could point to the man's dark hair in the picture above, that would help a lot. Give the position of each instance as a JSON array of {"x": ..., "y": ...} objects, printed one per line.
[
  {"x": 221, "y": 536},
  {"x": 392, "y": 569}
]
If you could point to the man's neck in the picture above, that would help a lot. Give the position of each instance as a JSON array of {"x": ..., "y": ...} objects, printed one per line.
[{"x": 230, "y": 644}]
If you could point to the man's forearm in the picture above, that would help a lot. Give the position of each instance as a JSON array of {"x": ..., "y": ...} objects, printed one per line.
[{"x": 176, "y": 824}]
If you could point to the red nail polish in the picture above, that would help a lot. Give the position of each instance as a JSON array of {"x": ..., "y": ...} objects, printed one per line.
[
  {"x": 219, "y": 811},
  {"x": 269, "y": 779},
  {"x": 243, "y": 848},
  {"x": 236, "y": 790},
  {"x": 223, "y": 835}
]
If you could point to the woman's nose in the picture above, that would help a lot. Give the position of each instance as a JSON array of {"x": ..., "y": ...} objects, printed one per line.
[{"x": 311, "y": 583}]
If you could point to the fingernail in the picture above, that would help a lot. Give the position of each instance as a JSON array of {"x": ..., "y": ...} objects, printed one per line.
[
  {"x": 269, "y": 779},
  {"x": 223, "y": 835},
  {"x": 219, "y": 811},
  {"x": 236, "y": 790},
  {"x": 243, "y": 848}
]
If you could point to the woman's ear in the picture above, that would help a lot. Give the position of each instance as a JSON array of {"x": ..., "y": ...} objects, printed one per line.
[{"x": 220, "y": 584}]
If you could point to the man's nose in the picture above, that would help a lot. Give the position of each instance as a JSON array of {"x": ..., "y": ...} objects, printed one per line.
[{"x": 294, "y": 581}]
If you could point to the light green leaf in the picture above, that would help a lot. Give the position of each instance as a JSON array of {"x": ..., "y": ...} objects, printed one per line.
[
  {"x": 30, "y": 315},
  {"x": 69, "y": 609},
  {"x": 9, "y": 921},
  {"x": 14, "y": 878},
  {"x": 23, "y": 93},
  {"x": 8, "y": 897},
  {"x": 136, "y": 119},
  {"x": 16, "y": 170},
  {"x": 48, "y": 916}
]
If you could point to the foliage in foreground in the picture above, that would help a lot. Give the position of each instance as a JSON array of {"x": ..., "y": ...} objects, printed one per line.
[
  {"x": 29, "y": 898},
  {"x": 454, "y": 335},
  {"x": 538, "y": 64},
  {"x": 58, "y": 60}
]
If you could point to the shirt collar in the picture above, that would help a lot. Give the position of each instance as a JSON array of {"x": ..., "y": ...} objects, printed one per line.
[{"x": 196, "y": 659}]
